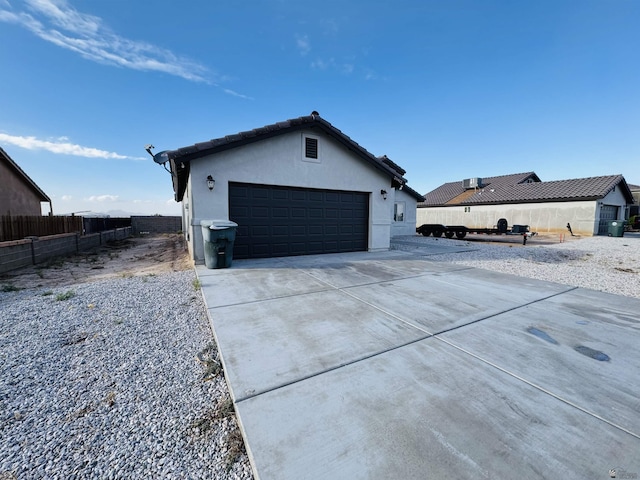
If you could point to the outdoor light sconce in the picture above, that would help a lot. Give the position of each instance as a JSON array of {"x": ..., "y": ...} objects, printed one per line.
[
  {"x": 384, "y": 194},
  {"x": 211, "y": 183}
]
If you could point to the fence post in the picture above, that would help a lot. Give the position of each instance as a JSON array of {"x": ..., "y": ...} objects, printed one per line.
[{"x": 33, "y": 249}]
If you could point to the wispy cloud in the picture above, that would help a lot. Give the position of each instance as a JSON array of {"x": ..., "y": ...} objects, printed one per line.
[
  {"x": 63, "y": 147},
  {"x": 103, "y": 198},
  {"x": 236, "y": 94},
  {"x": 303, "y": 44},
  {"x": 57, "y": 22},
  {"x": 346, "y": 68},
  {"x": 331, "y": 64}
]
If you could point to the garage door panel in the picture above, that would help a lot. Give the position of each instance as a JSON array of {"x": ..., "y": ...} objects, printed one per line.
[
  {"x": 242, "y": 251},
  {"x": 298, "y": 195},
  {"x": 315, "y": 213},
  {"x": 295, "y": 221},
  {"x": 280, "y": 212},
  {"x": 280, "y": 194},
  {"x": 242, "y": 192},
  {"x": 332, "y": 197},
  {"x": 280, "y": 231},
  {"x": 257, "y": 231},
  {"x": 242, "y": 211},
  {"x": 280, "y": 249},
  {"x": 259, "y": 192},
  {"x": 315, "y": 196},
  {"x": 298, "y": 230},
  {"x": 258, "y": 212},
  {"x": 258, "y": 250}
]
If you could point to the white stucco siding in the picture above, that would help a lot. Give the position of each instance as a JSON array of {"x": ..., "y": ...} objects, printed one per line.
[
  {"x": 616, "y": 198},
  {"x": 280, "y": 161},
  {"x": 408, "y": 225},
  {"x": 549, "y": 217},
  {"x": 187, "y": 208}
]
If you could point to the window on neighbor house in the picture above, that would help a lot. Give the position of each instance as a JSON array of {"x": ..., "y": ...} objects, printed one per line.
[{"x": 398, "y": 212}]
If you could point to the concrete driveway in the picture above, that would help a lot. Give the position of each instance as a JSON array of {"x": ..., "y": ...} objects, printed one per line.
[{"x": 394, "y": 365}]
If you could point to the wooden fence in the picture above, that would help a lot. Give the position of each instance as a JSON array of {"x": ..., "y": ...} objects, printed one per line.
[{"x": 19, "y": 227}]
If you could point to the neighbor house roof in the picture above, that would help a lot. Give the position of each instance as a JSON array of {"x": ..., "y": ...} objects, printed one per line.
[
  {"x": 455, "y": 192},
  {"x": 524, "y": 191},
  {"x": 4, "y": 156},
  {"x": 180, "y": 158}
]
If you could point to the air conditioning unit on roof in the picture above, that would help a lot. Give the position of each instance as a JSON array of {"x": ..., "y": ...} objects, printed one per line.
[{"x": 472, "y": 183}]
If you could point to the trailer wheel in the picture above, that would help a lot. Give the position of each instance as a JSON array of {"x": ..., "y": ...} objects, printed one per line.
[
  {"x": 425, "y": 233},
  {"x": 461, "y": 234},
  {"x": 437, "y": 233},
  {"x": 448, "y": 234}
]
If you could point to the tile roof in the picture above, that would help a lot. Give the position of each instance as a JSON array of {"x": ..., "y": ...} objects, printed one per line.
[
  {"x": 181, "y": 157},
  {"x": 503, "y": 191},
  {"x": 444, "y": 194}
]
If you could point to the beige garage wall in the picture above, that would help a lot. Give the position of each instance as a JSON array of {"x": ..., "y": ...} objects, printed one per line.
[{"x": 541, "y": 217}]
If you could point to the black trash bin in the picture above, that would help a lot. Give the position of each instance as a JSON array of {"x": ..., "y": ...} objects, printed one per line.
[{"x": 219, "y": 237}]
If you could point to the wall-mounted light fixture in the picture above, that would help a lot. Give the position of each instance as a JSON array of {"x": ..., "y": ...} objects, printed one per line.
[
  {"x": 210, "y": 182},
  {"x": 384, "y": 194}
]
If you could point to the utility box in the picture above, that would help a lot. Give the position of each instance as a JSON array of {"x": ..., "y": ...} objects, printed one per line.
[
  {"x": 616, "y": 228},
  {"x": 520, "y": 229},
  {"x": 219, "y": 237}
]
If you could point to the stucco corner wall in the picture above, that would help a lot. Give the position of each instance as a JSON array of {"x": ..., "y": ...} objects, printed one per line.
[{"x": 408, "y": 225}]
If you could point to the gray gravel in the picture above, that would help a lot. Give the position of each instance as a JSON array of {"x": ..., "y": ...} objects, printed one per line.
[
  {"x": 106, "y": 384},
  {"x": 607, "y": 264}
]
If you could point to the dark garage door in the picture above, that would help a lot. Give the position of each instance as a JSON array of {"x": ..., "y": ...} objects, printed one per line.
[
  {"x": 607, "y": 213},
  {"x": 276, "y": 221}
]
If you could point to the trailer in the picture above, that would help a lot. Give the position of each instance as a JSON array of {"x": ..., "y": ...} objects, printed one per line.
[{"x": 461, "y": 231}]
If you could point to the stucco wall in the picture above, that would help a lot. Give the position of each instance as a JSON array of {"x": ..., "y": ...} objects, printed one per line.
[
  {"x": 541, "y": 217},
  {"x": 280, "y": 161},
  {"x": 16, "y": 197},
  {"x": 408, "y": 225}
]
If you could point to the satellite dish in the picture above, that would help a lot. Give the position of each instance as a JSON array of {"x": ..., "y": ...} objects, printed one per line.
[{"x": 161, "y": 157}]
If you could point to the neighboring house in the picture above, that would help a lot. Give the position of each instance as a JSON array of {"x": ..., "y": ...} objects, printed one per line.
[
  {"x": 634, "y": 209},
  {"x": 587, "y": 204},
  {"x": 295, "y": 187},
  {"x": 19, "y": 195}
]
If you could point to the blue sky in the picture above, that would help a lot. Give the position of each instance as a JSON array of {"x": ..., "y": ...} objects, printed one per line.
[{"x": 447, "y": 89}]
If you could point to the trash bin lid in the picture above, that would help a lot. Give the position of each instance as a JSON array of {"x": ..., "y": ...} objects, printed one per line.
[{"x": 218, "y": 224}]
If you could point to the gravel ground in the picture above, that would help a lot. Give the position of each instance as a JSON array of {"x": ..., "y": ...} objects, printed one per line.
[
  {"x": 607, "y": 264},
  {"x": 114, "y": 379}
]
